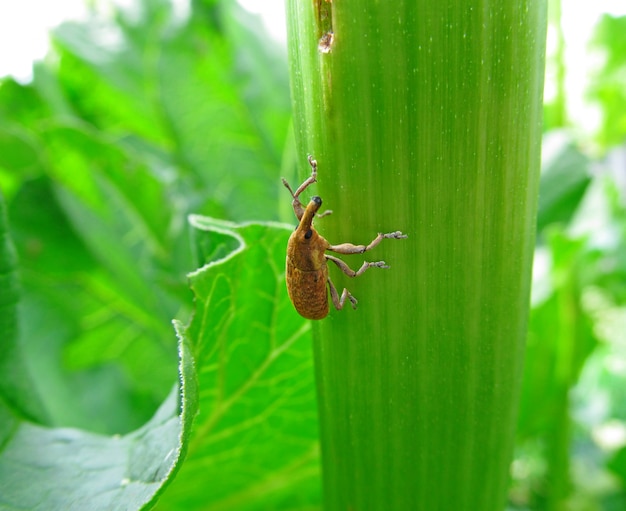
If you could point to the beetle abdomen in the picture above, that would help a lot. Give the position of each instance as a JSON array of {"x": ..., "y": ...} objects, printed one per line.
[{"x": 308, "y": 291}]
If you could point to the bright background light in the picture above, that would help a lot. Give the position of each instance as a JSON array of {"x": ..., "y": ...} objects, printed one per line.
[
  {"x": 24, "y": 26},
  {"x": 578, "y": 20},
  {"x": 273, "y": 14}
]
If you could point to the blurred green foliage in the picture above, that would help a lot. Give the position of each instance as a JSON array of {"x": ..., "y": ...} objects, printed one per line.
[
  {"x": 609, "y": 86},
  {"x": 572, "y": 430},
  {"x": 135, "y": 122},
  {"x": 571, "y": 427}
]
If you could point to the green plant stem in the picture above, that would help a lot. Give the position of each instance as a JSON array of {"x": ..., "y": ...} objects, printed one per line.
[{"x": 424, "y": 117}]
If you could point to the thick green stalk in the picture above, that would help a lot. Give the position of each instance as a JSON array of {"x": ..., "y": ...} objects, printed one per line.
[{"x": 424, "y": 116}]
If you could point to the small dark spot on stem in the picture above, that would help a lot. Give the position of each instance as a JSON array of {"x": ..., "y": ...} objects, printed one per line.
[{"x": 326, "y": 42}]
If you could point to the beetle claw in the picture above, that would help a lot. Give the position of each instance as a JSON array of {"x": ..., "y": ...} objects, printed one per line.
[
  {"x": 397, "y": 235},
  {"x": 353, "y": 301},
  {"x": 378, "y": 264}
]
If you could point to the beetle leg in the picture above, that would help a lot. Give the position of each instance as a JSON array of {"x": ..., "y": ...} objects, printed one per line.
[
  {"x": 298, "y": 208},
  {"x": 325, "y": 213},
  {"x": 338, "y": 301},
  {"x": 349, "y": 248},
  {"x": 350, "y": 272},
  {"x": 309, "y": 181}
]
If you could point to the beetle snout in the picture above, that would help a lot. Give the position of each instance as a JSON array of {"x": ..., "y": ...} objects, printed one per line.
[{"x": 309, "y": 213}]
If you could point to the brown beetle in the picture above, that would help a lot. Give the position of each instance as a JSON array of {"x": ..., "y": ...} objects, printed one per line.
[{"x": 307, "y": 272}]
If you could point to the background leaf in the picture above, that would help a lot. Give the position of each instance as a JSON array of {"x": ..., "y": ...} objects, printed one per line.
[
  {"x": 254, "y": 443},
  {"x": 609, "y": 86},
  {"x": 565, "y": 175},
  {"x": 72, "y": 470},
  {"x": 140, "y": 120},
  {"x": 17, "y": 394}
]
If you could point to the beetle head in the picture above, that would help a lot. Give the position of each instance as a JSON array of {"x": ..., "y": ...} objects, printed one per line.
[
  {"x": 306, "y": 247},
  {"x": 305, "y": 231},
  {"x": 309, "y": 213}
]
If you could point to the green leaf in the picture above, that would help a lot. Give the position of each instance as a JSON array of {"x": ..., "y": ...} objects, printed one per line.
[
  {"x": 16, "y": 381},
  {"x": 73, "y": 469},
  {"x": 254, "y": 443},
  {"x": 44, "y": 469},
  {"x": 98, "y": 256},
  {"x": 17, "y": 151},
  {"x": 19, "y": 157},
  {"x": 207, "y": 97},
  {"x": 560, "y": 337},
  {"x": 617, "y": 464},
  {"x": 134, "y": 123},
  {"x": 9, "y": 287},
  {"x": 565, "y": 177},
  {"x": 138, "y": 120},
  {"x": 609, "y": 83},
  {"x": 20, "y": 104}
]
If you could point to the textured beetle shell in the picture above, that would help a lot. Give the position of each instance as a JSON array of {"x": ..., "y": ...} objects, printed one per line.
[
  {"x": 307, "y": 274},
  {"x": 310, "y": 295}
]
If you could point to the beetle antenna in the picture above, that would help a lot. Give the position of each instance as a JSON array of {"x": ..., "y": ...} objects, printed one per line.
[{"x": 288, "y": 187}]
